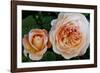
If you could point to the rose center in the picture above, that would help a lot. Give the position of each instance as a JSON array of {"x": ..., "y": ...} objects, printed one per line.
[
  {"x": 37, "y": 41},
  {"x": 69, "y": 35}
]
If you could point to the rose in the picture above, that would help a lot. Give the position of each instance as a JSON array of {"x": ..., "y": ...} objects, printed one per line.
[
  {"x": 69, "y": 35},
  {"x": 36, "y": 43}
]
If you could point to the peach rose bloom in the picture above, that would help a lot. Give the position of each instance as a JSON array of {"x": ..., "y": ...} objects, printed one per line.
[
  {"x": 69, "y": 35},
  {"x": 35, "y": 43}
]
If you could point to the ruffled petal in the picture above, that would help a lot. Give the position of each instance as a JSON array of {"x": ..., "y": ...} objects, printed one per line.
[
  {"x": 37, "y": 55},
  {"x": 31, "y": 48},
  {"x": 53, "y": 22},
  {"x": 27, "y": 45},
  {"x": 78, "y": 20},
  {"x": 25, "y": 52}
]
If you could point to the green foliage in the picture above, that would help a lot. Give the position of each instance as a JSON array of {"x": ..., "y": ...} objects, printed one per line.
[
  {"x": 25, "y": 59},
  {"x": 49, "y": 56},
  {"x": 28, "y": 24},
  {"x": 87, "y": 15},
  {"x": 46, "y": 22}
]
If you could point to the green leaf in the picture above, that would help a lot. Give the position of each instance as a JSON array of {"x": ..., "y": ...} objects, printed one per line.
[
  {"x": 29, "y": 23},
  {"x": 25, "y": 59},
  {"x": 87, "y": 54},
  {"x": 49, "y": 56},
  {"x": 59, "y": 57},
  {"x": 87, "y": 15},
  {"x": 75, "y": 58},
  {"x": 46, "y": 20}
]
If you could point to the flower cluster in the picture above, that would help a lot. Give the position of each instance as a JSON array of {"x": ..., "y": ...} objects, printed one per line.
[{"x": 69, "y": 37}]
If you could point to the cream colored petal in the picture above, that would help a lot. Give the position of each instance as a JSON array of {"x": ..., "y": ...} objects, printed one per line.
[
  {"x": 84, "y": 49},
  {"x": 83, "y": 23},
  {"x": 55, "y": 50},
  {"x": 79, "y": 19},
  {"x": 66, "y": 56},
  {"x": 52, "y": 39},
  {"x": 86, "y": 31},
  {"x": 42, "y": 51},
  {"x": 79, "y": 52},
  {"x": 61, "y": 16},
  {"x": 27, "y": 45},
  {"x": 53, "y": 43},
  {"x": 46, "y": 36},
  {"x": 53, "y": 22},
  {"x": 37, "y": 55},
  {"x": 74, "y": 17},
  {"x": 52, "y": 35},
  {"x": 84, "y": 27},
  {"x": 70, "y": 55},
  {"x": 25, "y": 52},
  {"x": 35, "y": 31},
  {"x": 31, "y": 33},
  {"x": 63, "y": 19},
  {"x": 47, "y": 39}
]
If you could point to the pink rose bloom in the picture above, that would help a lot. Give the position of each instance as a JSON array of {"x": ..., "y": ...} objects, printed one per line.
[
  {"x": 36, "y": 43},
  {"x": 69, "y": 35}
]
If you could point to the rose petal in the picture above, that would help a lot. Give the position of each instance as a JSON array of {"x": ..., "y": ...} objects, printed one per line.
[
  {"x": 56, "y": 50},
  {"x": 34, "y": 57},
  {"x": 35, "y": 32},
  {"x": 54, "y": 21},
  {"x": 37, "y": 55},
  {"x": 27, "y": 45},
  {"x": 66, "y": 56},
  {"x": 47, "y": 39},
  {"x": 72, "y": 52},
  {"x": 31, "y": 34},
  {"x": 25, "y": 52},
  {"x": 52, "y": 40},
  {"x": 78, "y": 20},
  {"x": 84, "y": 49},
  {"x": 46, "y": 36}
]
